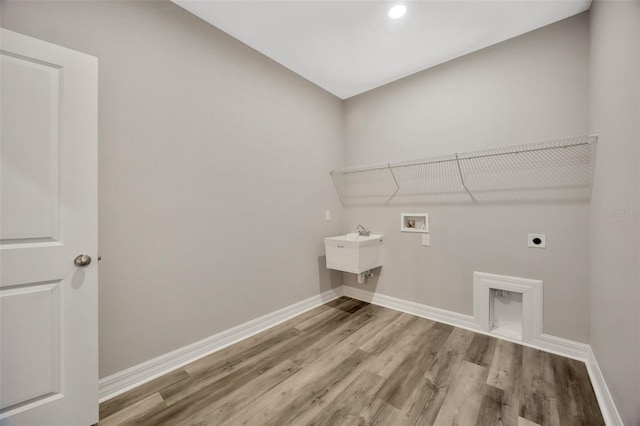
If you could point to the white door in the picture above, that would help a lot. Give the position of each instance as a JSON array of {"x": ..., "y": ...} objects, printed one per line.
[{"x": 48, "y": 216}]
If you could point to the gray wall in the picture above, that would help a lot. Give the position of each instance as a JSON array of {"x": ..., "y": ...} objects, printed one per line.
[
  {"x": 213, "y": 174},
  {"x": 531, "y": 88},
  {"x": 614, "y": 322}
]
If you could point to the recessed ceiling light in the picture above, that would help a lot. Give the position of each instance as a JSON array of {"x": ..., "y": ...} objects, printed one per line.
[{"x": 397, "y": 11}]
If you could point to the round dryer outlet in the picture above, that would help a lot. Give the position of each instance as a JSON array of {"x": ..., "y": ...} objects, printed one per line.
[{"x": 537, "y": 241}]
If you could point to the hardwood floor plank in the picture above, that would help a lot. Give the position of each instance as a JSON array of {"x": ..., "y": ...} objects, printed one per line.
[
  {"x": 315, "y": 367},
  {"x": 400, "y": 347},
  {"x": 481, "y": 350},
  {"x": 524, "y": 422},
  {"x": 214, "y": 363},
  {"x": 247, "y": 360},
  {"x": 235, "y": 354},
  {"x": 408, "y": 375},
  {"x": 286, "y": 406},
  {"x": 577, "y": 404},
  {"x": 254, "y": 344},
  {"x": 209, "y": 372},
  {"x": 431, "y": 411},
  {"x": 462, "y": 403},
  {"x": 449, "y": 357},
  {"x": 293, "y": 322},
  {"x": 498, "y": 408},
  {"x": 347, "y": 406},
  {"x": 177, "y": 377},
  {"x": 537, "y": 388},
  {"x": 414, "y": 409},
  {"x": 208, "y": 395},
  {"x": 347, "y": 304},
  {"x": 337, "y": 354},
  {"x": 362, "y": 325},
  {"x": 342, "y": 304},
  {"x": 390, "y": 332},
  {"x": 131, "y": 414},
  {"x": 338, "y": 318},
  {"x": 340, "y": 300},
  {"x": 506, "y": 366},
  {"x": 334, "y": 353},
  {"x": 213, "y": 391},
  {"x": 242, "y": 397},
  {"x": 379, "y": 413}
]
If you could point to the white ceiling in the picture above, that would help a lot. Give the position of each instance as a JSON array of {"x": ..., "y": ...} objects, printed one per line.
[{"x": 349, "y": 47}]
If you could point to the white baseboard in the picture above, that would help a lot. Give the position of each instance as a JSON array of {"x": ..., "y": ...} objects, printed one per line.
[
  {"x": 607, "y": 406},
  {"x": 137, "y": 375},
  {"x": 436, "y": 314},
  {"x": 544, "y": 342},
  {"x": 559, "y": 346}
]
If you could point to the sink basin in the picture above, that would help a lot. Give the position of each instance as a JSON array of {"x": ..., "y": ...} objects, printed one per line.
[{"x": 354, "y": 253}]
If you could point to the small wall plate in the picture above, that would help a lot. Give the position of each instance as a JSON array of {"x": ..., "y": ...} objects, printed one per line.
[
  {"x": 414, "y": 222},
  {"x": 537, "y": 241}
]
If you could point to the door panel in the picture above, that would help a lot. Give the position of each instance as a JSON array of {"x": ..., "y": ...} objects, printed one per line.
[
  {"x": 48, "y": 208},
  {"x": 29, "y": 176},
  {"x": 33, "y": 347}
]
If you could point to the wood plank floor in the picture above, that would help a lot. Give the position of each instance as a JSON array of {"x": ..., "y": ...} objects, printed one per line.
[{"x": 352, "y": 363}]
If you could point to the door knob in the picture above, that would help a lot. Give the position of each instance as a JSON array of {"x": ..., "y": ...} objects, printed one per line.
[{"x": 82, "y": 260}]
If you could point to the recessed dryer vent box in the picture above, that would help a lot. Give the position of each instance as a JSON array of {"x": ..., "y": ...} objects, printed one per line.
[{"x": 414, "y": 222}]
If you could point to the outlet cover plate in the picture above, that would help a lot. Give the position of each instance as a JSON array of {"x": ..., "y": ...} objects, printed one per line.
[{"x": 537, "y": 241}]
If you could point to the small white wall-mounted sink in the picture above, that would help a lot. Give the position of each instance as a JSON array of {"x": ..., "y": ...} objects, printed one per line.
[{"x": 354, "y": 253}]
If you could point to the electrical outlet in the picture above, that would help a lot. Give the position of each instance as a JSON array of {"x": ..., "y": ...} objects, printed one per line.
[
  {"x": 537, "y": 241},
  {"x": 426, "y": 240},
  {"x": 327, "y": 215}
]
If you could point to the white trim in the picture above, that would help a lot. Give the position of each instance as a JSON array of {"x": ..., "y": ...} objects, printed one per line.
[
  {"x": 441, "y": 315},
  {"x": 559, "y": 346},
  {"x": 531, "y": 301},
  {"x": 138, "y": 374},
  {"x": 607, "y": 406}
]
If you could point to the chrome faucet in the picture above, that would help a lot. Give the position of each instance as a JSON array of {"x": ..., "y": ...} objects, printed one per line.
[{"x": 362, "y": 231}]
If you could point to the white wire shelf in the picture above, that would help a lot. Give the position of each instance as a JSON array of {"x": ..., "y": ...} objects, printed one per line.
[{"x": 556, "y": 170}]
